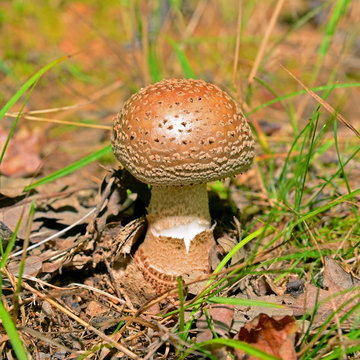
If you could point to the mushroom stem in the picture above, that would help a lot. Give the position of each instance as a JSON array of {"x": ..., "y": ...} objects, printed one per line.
[
  {"x": 179, "y": 235},
  {"x": 178, "y": 205}
]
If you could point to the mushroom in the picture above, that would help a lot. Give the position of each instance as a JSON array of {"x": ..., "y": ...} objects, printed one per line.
[{"x": 176, "y": 135}]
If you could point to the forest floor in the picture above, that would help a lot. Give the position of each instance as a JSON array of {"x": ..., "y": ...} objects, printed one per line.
[{"x": 286, "y": 275}]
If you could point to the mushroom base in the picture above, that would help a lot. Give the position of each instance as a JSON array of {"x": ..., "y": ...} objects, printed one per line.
[
  {"x": 161, "y": 268},
  {"x": 179, "y": 236}
]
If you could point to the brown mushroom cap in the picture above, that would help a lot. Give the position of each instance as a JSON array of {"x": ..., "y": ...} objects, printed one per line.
[{"x": 181, "y": 132}]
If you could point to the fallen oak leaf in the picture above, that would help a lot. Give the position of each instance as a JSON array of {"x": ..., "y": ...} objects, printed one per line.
[
  {"x": 268, "y": 335},
  {"x": 274, "y": 335}
]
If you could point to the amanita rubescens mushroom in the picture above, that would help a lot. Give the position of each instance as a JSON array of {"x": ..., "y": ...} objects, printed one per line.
[{"x": 177, "y": 135}]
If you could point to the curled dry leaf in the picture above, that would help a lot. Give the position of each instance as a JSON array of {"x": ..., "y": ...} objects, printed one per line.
[
  {"x": 274, "y": 335},
  {"x": 228, "y": 243},
  {"x": 216, "y": 254}
]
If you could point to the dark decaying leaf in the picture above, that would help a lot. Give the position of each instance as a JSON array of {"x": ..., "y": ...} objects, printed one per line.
[{"x": 274, "y": 335}]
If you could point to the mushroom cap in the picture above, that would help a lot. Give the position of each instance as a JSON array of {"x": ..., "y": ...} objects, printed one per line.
[{"x": 181, "y": 132}]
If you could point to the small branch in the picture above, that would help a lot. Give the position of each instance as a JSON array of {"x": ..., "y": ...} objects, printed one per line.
[{"x": 265, "y": 40}]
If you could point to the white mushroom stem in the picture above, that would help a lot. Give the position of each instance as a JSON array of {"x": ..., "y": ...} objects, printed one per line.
[
  {"x": 179, "y": 234},
  {"x": 179, "y": 212}
]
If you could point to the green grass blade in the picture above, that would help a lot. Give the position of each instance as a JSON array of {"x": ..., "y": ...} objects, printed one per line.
[
  {"x": 290, "y": 110},
  {"x": 284, "y": 182},
  {"x": 153, "y": 66},
  {"x": 339, "y": 10},
  {"x": 235, "y": 249},
  {"x": 337, "y": 353},
  {"x": 312, "y": 214},
  {"x": 28, "y": 84},
  {"x": 236, "y": 344},
  {"x": 304, "y": 161},
  {"x": 344, "y": 175},
  {"x": 242, "y": 302},
  {"x": 13, "y": 334},
  {"x": 182, "y": 58},
  {"x": 26, "y": 243},
  {"x": 13, "y": 126},
  {"x": 181, "y": 307},
  {"x": 210, "y": 323},
  {"x": 297, "y": 25},
  {"x": 11, "y": 243},
  {"x": 71, "y": 168},
  {"x": 332, "y": 177}
]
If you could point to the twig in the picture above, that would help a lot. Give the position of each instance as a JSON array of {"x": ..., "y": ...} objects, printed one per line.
[
  {"x": 145, "y": 43},
  {"x": 96, "y": 96},
  {"x": 54, "y": 235},
  {"x": 108, "y": 339},
  {"x": 327, "y": 107},
  {"x": 58, "y": 121},
  {"x": 74, "y": 286},
  {"x": 331, "y": 290},
  {"x": 237, "y": 49},
  {"x": 265, "y": 40},
  {"x": 45, "y": 339},
  {"x": 195, "y": 18}
]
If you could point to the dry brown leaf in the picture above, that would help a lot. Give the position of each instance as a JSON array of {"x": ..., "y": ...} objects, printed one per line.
[
  {"x": 127, "y": 236},
  {"x": 216, "y": 254},
  {"x": 221, "y": 317},
  {"x": 65, "y": 217},
  {"x": 32, "y": 266},
  {"x": 330, "y": 300},
  {"x": 337, "y": 276},
  {"x": 50, "y": 267},
  {"x": 11, "y": 215},
  {"x": 228, "y": 243},
  {"x": 94, "y": 308},
  {"x": 11, "y": 187},
  {"x": 22, "y": 156},
  {"x": 274, "y": 335}
]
